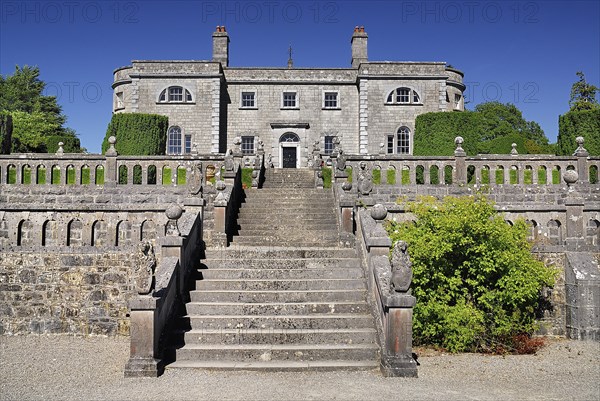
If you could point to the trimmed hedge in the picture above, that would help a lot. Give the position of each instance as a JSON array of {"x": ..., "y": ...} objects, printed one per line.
[
  {"x": 585, "y": 123},
  {"x": 435, "y": 133},
  {"x": 138, "y": 134},
  {"x": 71, "y": 143},
  {"x": 6, "y": 128}
]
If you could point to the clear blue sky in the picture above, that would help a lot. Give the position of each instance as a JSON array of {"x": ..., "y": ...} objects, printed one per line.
[{"x": 523, "y": 52}]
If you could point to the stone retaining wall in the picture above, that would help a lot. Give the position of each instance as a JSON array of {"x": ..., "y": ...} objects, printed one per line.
[{"x": 62, "y": 291}]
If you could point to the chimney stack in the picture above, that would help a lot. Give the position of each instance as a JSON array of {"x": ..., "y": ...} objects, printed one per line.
[
  {"x": 359, "y": 46},
  {"x": 221, "y": 46}
]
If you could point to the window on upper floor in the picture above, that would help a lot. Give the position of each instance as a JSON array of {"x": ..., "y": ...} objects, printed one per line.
[
  {"x": 247, "y": 145},
  {"x": 119, "y": 101},
  {"x": 457, "y": 100},
  {"x": 289, "y": 100},
  {"x": 403, "y": 96},
  {"x": 175, "y": 94},
  {"x": 248, "y": 100},
  {"x": 330, "y": 100}
]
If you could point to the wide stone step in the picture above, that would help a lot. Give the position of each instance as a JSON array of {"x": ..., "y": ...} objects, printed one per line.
[
  {"x": 277, "y": 296},
  {"x": 291, "y": 214},
  {"x": 281, "y": 266},
  {"x": 279, "y": 366},
  {"x": 281, "y": 274},
  {"x": 280, "y": 308},
  {"x": 297, "y": 207},
  {"x": 287, "y": 336},
  {"x": 290, "y": 285},
  {"x": 313, "y": 321},
  {"x": 277, "y": 352},
  {"x": 253, "y": 241},
  {"x": 322, "y": 232},
  {"x": 243, "y": 253},
  {"x": 282, "y": 220}
]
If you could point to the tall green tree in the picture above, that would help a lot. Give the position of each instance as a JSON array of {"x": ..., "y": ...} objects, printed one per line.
[
  {"x": 583, "y": 95},
  {"x": 582, "y": 119},
  {"x": 36, "y": 117}
]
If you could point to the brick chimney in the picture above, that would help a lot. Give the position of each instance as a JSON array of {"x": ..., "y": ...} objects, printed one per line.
[
  {"x": 221, "y": 46},
  {"x": 359, "y": 46}
]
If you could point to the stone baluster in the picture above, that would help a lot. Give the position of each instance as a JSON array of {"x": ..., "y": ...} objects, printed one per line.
[
  {"x": 460, "y": 167},
  {"x": 575, "y": 222},
  {"x": 582, "y": 165},
  {"x": 111, "y": 173}
]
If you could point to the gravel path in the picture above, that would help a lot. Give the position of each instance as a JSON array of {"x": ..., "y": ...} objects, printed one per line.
[{"x": 73, "y": 368}]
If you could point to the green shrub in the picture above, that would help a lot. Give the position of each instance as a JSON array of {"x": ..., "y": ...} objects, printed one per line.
[
  {"x": 326, "y": 177},
  {"x": 376, "y": 176},
  {"x": 476, "y": 282},
  {"x": 166, "y": 177},
  {"x": 435, "y": 133},
  {"x": 85, "y": 176},
  {"x": 247, "y": 177},
  {"x": 56, "y": 176},
  {"x": 181, "y": 174},
  {"x": 137, "y": 134},
  {"x": 100, "y": 176},
  {"x": 41, "y": 176},
  {"x": 391, "y": 176},
  {"x": 585, "y": 123},
  {"x": 12, "y": 175},
  {"x": 542, "y": 175},
  {"x": 555, "y": 176},
  {"x": 485, "y": 176},
  {"x": 405, "y": 176},
  {"x": 70, "y": 176},
  {"x": 6, "y": 129},
  {"x": 71, "y": 144}
]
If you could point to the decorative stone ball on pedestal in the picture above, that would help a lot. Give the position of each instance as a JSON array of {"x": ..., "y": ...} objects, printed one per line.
[
  {"x": 173, "y": 213},
  {"x": 570, "y": 178},
  {"x": 347, "y": 186},
  {"x": 378, "y": 212}
]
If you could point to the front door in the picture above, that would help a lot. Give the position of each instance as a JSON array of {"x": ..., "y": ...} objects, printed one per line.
[{"x": 289, "y": 157}]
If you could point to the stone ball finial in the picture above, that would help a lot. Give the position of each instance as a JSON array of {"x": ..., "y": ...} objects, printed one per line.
[
  {"x": 174, "y": 211},
  {"x": 111, "y": 149},
  {"x": 579, "y": 140},
  {"x": 514, "y": 151},
  {"x": 220, "y": 185},
  {"x": 458, "y": 141},
  {"x": 580, "y": 151},
  {"x": 60, "y": 149},
  {"x": 378, "y": 212},
  {"x": 570, "y": 177},
  {"x": 346, "y": 186},
  {"x": 112, "y": 140}
]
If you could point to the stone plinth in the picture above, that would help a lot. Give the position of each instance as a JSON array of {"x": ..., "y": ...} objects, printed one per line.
[{"x": 141, "y": 359}]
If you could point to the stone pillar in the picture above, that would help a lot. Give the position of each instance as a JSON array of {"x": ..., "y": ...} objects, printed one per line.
[
  {"x": 397, "y": 360},
  {"x": 460, "y": 167},
  {"x": 142, "y": 339},
  {"x": 111, "y": 174},
  {"x": 582, "y": 164},
  {"x": 575, "y": 222},
  {"x": 220, "y": 215}
]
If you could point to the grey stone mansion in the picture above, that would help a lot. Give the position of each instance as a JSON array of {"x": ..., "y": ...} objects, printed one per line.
[{"x": 369, "y": 107}]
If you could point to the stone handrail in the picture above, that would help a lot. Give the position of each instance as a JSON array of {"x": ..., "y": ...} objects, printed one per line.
[
  {"x": 481, "y": 169},
  {"x": 153, "y": 316},
  {"x": 393, "y": 310}
]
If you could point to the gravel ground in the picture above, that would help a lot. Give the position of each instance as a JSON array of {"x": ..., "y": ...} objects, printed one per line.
[{"x": 74, "y": 368}]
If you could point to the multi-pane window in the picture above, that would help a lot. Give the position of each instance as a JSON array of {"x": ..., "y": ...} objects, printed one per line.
[
  {"x": 329, "y": 144},
  {"x": 247, "y": 145},
  {"x": 400, "y": 142},
  {"x": 330, "y": 100},
  {"x": 403, "y": 141},
  {"x": 248, "y": 99},
  {"x": 290, "y": 99},
  {"x": 188, "y": 144},
  {"x": 175, "y": 94},
  {"x": 174, "y": 141},
  {"x": 403, "y": 96}
]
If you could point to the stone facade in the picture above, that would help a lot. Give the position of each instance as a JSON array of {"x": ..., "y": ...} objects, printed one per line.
[{"x": 364, "y": 106}]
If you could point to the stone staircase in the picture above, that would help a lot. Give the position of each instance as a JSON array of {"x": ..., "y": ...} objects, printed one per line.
[{"x": 283, "y": 296}]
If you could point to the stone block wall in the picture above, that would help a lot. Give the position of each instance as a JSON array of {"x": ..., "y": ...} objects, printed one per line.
[{"x": 63, "y": 291}]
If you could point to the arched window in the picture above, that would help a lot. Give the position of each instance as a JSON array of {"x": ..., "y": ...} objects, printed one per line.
[
  {"x": 400, "y": 142},
  {"x": 289, "y": 137},
  {"x": 403, "y": 96},
  {"x": 175, "y": 94},
  {"x": 174, "y": 141}
]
